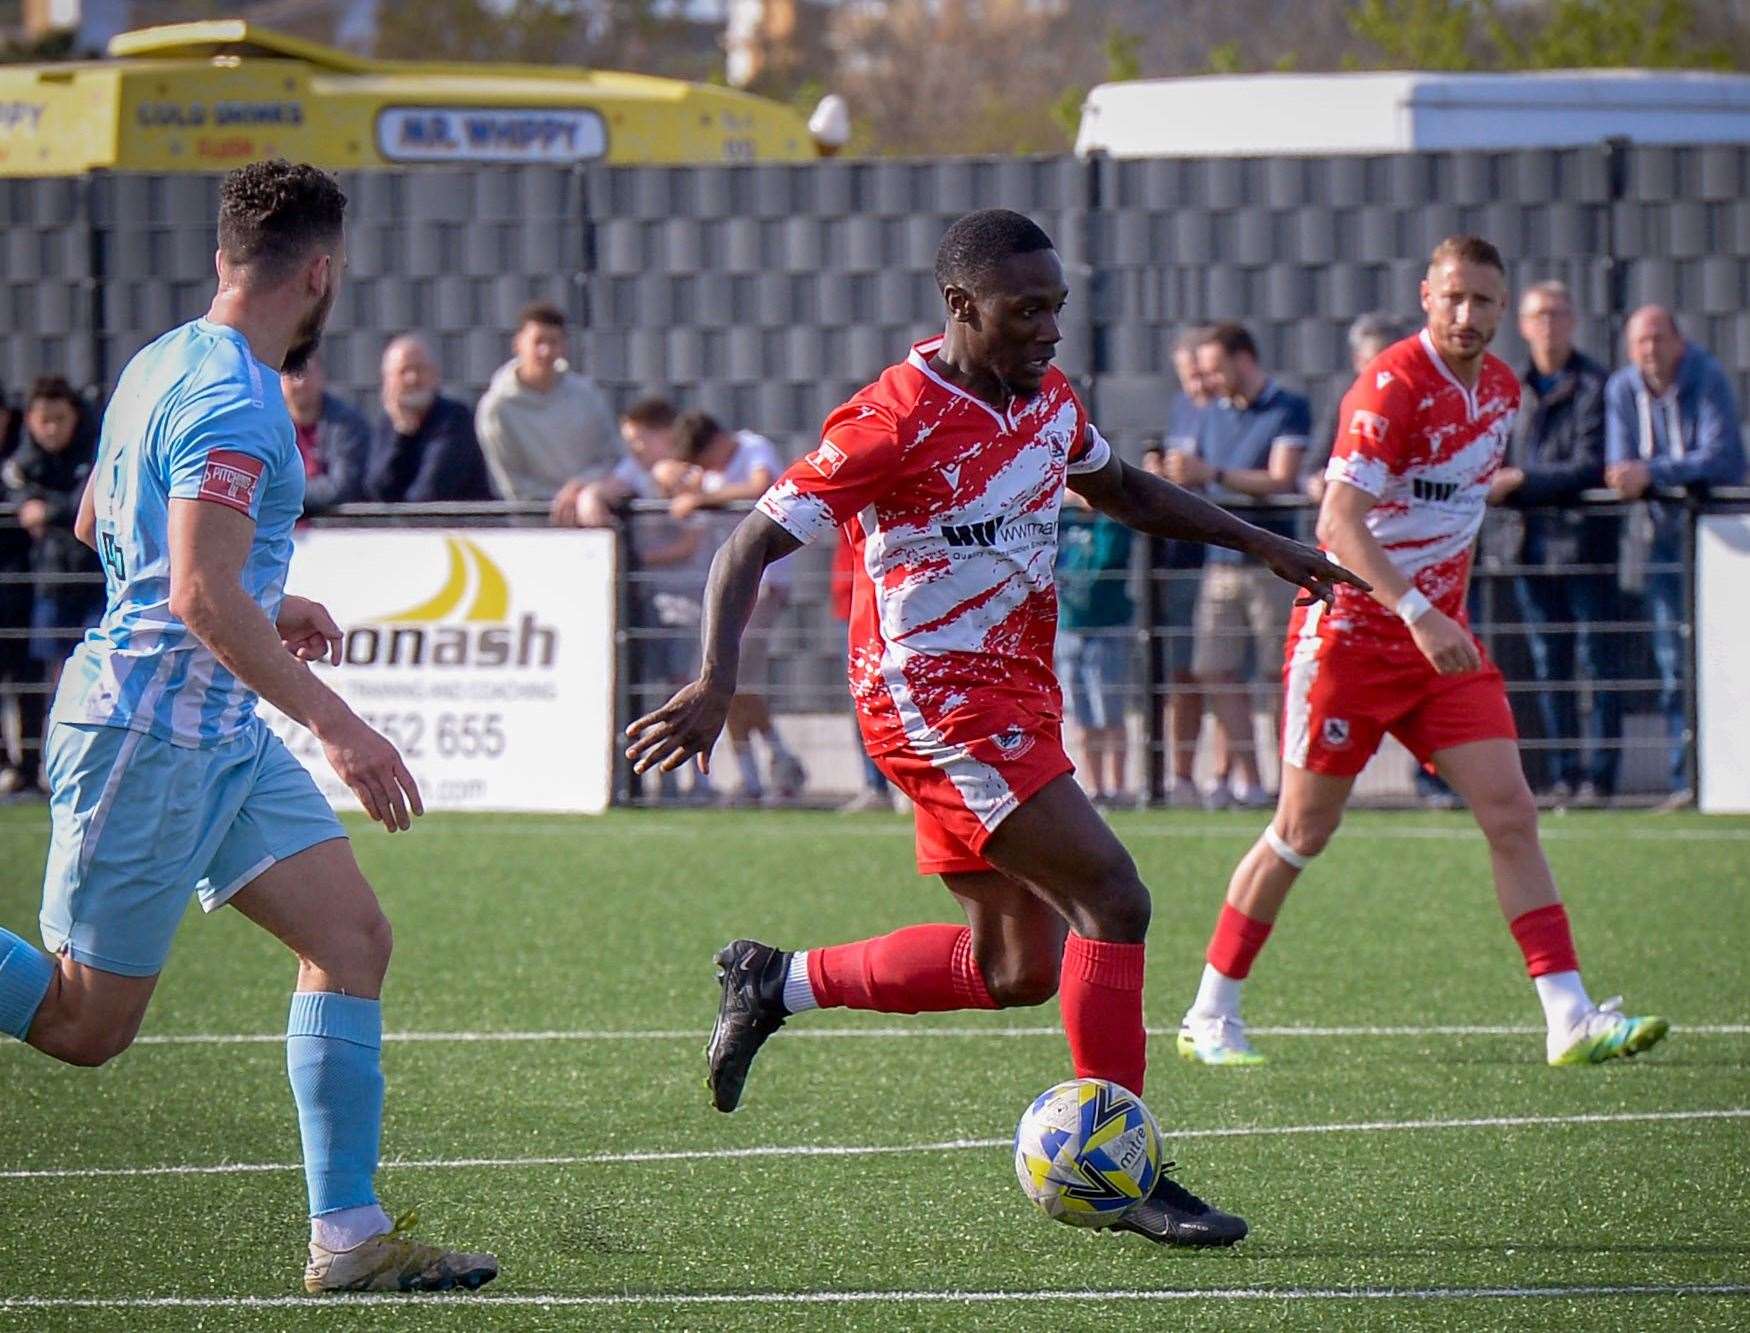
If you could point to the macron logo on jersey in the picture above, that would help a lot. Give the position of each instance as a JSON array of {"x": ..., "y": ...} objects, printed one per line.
[
  {"x": 230, "y": 479},
  {"x": 1382, "y": 379},
  {"x": 827, "y": 459},
  {"x": 1369, "y": 426}
]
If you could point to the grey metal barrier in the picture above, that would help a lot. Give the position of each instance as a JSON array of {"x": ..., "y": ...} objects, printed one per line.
[{"x": 1598, "y": 652}]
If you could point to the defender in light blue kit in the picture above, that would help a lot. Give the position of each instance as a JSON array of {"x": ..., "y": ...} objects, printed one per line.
[{"x": 166, "y": 784}]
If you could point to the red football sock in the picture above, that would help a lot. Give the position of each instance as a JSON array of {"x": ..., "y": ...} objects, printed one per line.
[
  {"x": 1236, "y": 942},
  {"x": 1101, "y": 997},
  {"x": 1545, "y": 940},
  {"x": 918, "y": 970}
]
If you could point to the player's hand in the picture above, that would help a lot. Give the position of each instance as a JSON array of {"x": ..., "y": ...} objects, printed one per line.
[
  {"x": 685, "y": 726},
  {"x": 308, "y": 631},
  {"x": 1305, "y": 567},
  {"x": 1446, "y": 643},
  {"x": 1505, "y": 481},
  {"x": 372, "y": 767},
  {"x": 33, "y": 516}
]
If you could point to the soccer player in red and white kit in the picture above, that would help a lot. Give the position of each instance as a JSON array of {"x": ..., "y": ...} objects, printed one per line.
[
  {"x": 948, "y": 473},
  {"x": 1420, "y": 435}
]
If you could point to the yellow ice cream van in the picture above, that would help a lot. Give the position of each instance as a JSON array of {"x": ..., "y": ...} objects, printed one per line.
[{"x": 207, "y": 96}]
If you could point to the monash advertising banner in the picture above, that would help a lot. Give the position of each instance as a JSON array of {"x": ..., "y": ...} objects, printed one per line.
[{"x": 486, "y": 656}]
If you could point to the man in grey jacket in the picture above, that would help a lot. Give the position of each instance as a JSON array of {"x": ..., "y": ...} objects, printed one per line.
[
  {"x": 540, "y": 423},
  {"x": 333, "y": 439},
  {"x": 1557, "y": 452}
]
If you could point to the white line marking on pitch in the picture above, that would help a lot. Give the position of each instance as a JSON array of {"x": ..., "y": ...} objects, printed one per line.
[
  {"x": 1087, "y": 1295},
  {"x": 883, "y": 1150},
  {"x": 817, "y": 826},
  {"x": 699, "y": 1034}
]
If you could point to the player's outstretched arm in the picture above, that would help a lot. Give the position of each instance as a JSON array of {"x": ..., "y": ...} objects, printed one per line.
[
  {"x": 1344, "y": 532},
  {"x": 209, "y": 543},
  {"x": 1154, "y": 505},
  {"x": 688, "y": 724}
]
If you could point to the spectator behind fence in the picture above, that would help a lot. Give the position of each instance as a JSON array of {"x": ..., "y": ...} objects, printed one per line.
[
  {"x": 44, "y": 477},
  {"x": 1254, "y": 436},
  {"x": 1669, "y": 420},
  {"x": 334, "y": 440},
  {"x": 1556, "y": 452},
  {"x": 1094, "y": 618},
  {"x": 423, "y": 446},
  {"x": 669, "y": 559},
  {"x": 1369, "y": 335},
  {"x": 737, "y": 467},
  {"x": 542, "y": 424},
  {"x": 1177, "y": 569}
]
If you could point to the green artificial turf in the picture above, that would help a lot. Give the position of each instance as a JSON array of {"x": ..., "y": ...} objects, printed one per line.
[{"x": 592, "y": 927}]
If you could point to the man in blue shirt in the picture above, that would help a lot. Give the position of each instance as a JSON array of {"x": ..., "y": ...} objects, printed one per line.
[
  {"x": 165, "y": 783},
  {"x": 1669, "y": 420},
  {"x": 1177, "y": 569},
  {"x": 1253, "y": 438}
]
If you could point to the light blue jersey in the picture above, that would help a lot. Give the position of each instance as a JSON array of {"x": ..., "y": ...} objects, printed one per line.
[{"x": 195, "y": 416}]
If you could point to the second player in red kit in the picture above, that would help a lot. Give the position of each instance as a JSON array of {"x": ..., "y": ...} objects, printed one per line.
[
  {"x": 948, "y": 473},
  {"x": 1420, "y": 436}
]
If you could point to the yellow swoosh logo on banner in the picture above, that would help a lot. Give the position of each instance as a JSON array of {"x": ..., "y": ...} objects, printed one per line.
[{"x": 491, "y": 591}]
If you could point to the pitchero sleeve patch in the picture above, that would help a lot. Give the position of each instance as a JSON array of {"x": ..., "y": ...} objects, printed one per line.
[{"x": 231, "y": 478}]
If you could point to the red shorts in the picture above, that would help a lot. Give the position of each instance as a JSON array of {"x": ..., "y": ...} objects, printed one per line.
[
  {"x": 1341, "y": 697},
  {"x": 960, "y": 793}
]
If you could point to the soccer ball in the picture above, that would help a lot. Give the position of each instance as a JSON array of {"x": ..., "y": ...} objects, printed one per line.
[{"x": 1086, "y": 1150}]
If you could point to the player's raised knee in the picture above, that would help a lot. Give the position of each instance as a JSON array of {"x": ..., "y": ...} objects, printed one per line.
[
  {"x": 1120, "y": 902},
  {"x": 1023, "y": 984}
]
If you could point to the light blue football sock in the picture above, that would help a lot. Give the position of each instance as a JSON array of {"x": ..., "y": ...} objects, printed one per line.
[
  {"x": 334, "y": 1058},
  {"x": 25, "y": 973}
]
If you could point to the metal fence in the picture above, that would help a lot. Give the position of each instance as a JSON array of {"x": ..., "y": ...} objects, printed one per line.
[{"x": 1595, "y": 668}]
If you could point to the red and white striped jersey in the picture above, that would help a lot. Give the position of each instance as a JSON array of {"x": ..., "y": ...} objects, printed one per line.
[
  {"x": 1412, "y": 436},
  {"x": 951, "y": 506}
]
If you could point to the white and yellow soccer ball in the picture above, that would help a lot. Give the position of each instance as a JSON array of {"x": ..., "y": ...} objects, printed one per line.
[{"x": 1086, "y": 1150}]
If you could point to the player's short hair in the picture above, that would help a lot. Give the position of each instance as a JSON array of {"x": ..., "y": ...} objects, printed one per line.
[
  {"x": 693, "y": 432},
  {"x": 544, "y": 313},
  {"x": 1468, "y": 250},
  {"x": 651, "y": 413},
  {"x": 975, "y": 245},
  {"x": 1376, "y": 326},
  {"x": 1231, "y": 338},
  {"x": 272, "y": 214},
  {"x": 51, "y": 389}
]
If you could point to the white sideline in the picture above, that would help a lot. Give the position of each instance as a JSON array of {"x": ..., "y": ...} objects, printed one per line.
[
  {"x": 426, "y": 1304},
  {"x": 655, "y": 826},
  {"x": 881, "y": 1150},
  {"x": 694, "y": 1034}
]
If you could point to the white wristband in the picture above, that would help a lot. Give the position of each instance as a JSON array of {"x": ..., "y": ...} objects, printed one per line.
[{"x": 1413, "y": 605}]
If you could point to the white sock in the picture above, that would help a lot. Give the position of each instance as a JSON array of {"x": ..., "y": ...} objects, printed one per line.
[
  {"x": 750, "y": 769},
  {"x": 1564, "y": 998},
  {"x": 798, "y": 993},
  {"x": 1218, "y": 995},
  {"x": 349, "y": 1227}
]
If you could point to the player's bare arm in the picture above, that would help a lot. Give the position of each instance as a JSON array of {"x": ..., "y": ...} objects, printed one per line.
[
  {"x": 1157, "y": 507},
  {"x": 209, "y": 544},
  {"x": 85, "y": 522},
  {"x": 689, "y": 723},
  {"x": 1343, "y": 531}
]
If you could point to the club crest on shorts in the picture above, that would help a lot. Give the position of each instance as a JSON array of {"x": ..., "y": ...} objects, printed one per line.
[
  {"x": 1336, "y": 732},
  {"x": 1013, "y": 743}
]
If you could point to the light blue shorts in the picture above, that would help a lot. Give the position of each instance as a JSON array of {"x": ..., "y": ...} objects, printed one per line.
[{"x": 140, "y": 824}]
